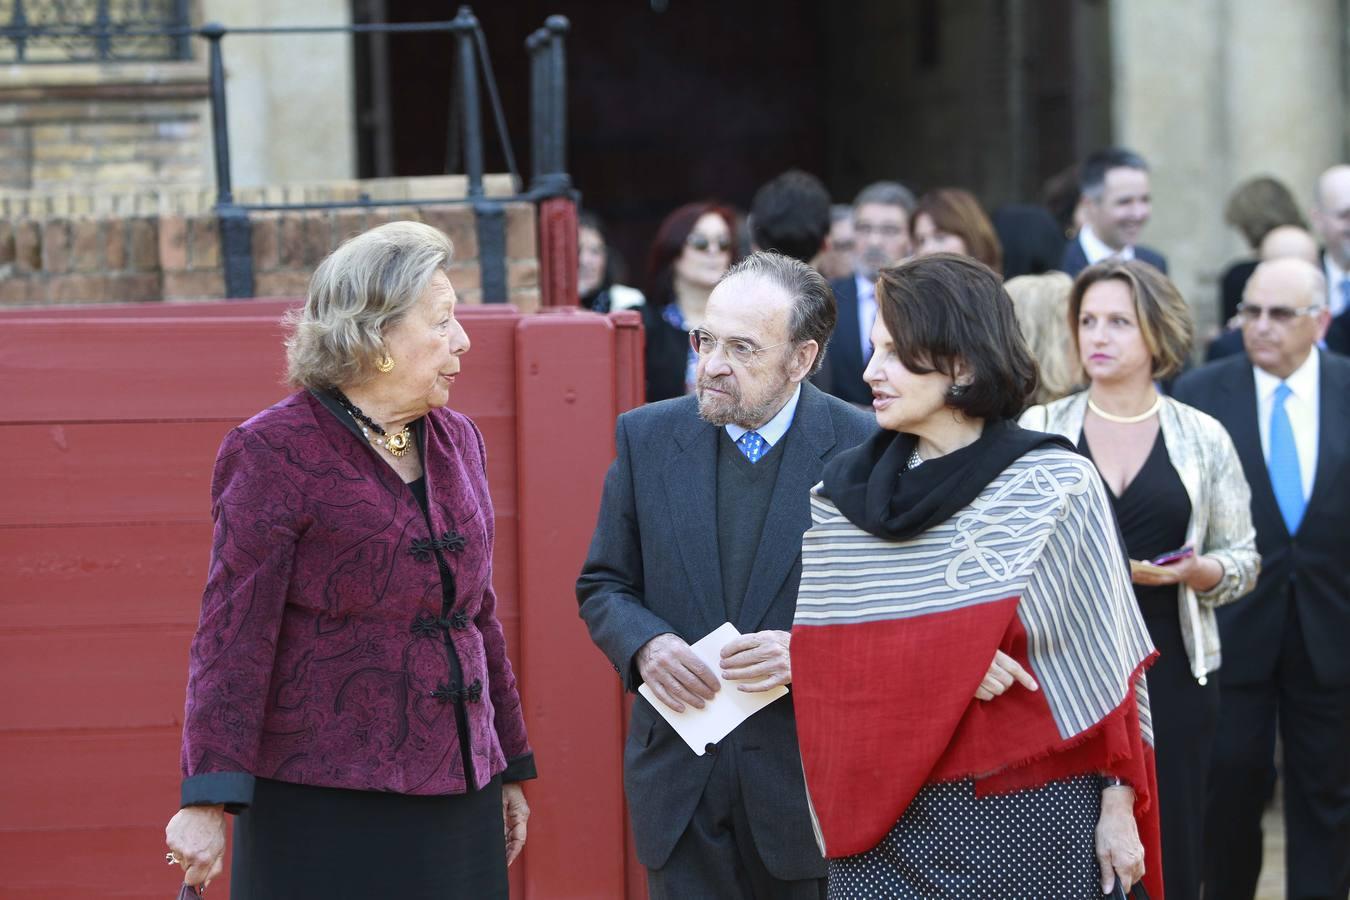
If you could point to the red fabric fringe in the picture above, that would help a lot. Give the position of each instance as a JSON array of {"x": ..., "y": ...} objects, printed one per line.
[{"x": 884, "y": 708}]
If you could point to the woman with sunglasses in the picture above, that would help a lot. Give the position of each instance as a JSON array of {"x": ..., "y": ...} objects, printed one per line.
[
  {"x": 1183, "y": 505},
  {"x": 694, "y": 247}
]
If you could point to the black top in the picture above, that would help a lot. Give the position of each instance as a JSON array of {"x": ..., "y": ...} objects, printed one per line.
[{"x": 1154, "y": 513}]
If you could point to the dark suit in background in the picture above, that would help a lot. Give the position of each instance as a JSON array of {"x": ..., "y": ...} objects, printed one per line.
[
  {"x": 653, "y": 568},
  {"x": 1075, "y": 259},
  {"x": 1286, "y": 650},
  {"x": 842, "y": 373}
]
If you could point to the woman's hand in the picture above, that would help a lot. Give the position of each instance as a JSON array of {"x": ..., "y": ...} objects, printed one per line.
[
  {"x": 1119, "y": 850},
  {"x": 1200, "y": 573},
  {"x": 196, "y": 837},
  {"x": 1003, "y": 671},
  {"x": 515, "y": 813}
]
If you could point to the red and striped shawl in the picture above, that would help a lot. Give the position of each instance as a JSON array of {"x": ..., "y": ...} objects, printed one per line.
[{"x": 891, "y": 640}]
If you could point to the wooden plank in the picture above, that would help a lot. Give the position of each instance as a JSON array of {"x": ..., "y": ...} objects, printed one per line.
[
  {"x": 87, "y": 862},
  {"x": 48, "y": 776},
  {"x": 571, "y": 695},
  {"x": 103, "y": 575},
  {"x": 108, "y": 473},
  {"x": 267, "y": 306},
  {"x": 93, "y": 678},
  {"x": 194, "y": 367},
  {"x": 118, "y": 369}
]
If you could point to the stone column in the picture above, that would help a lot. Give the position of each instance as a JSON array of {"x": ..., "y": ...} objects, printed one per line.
[
  {"x": 1213, "y": 92},
  {"x": 290, "y": 97}
]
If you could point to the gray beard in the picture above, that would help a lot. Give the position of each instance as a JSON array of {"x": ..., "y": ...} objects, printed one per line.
[{"x": 737, "y": 413}]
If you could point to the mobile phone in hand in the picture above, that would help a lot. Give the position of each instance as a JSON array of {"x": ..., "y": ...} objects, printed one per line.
[{"x": 1172, "y": 556}]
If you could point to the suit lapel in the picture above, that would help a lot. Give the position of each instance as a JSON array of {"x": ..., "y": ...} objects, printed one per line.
[
  {"x": 1333, "y": 430},
  {"x": 1245, "y": 430},
  {"x": 848, "y": 335},
  {"x": 780, "y": 544},
  {"x": 691, "y": 490}
]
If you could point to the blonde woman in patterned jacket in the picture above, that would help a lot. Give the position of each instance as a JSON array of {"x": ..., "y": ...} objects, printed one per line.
[{"x": 1178, "y": 491}]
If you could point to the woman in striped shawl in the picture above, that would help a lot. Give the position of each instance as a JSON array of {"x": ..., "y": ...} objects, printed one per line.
[{"x": 952, "y": 538}]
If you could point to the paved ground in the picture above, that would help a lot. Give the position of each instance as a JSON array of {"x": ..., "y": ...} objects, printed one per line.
[{"x": 1271, "y": 886}]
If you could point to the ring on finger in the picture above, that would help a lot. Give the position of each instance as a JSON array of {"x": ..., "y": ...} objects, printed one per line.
[{"x": 172, "y": 859}]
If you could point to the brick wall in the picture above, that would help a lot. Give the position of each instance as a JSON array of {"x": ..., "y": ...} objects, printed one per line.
[
  {"x": 120, "y": 124},
  {"x": 107, "y": 258}
]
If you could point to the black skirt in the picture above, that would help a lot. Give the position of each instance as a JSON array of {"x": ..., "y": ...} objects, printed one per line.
[{"x": 298, "y": 842}]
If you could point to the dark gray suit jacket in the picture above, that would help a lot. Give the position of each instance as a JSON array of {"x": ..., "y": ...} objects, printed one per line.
[
  {"x": 1310, "y": 566},
  {"x": 842, "y": 374},
  {"x": 1075, "y": 260},
  {"x": 653, "y": 567}
]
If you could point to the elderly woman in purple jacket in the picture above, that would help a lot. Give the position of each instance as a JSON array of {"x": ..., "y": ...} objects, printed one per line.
[{"x": 349, "y": 697}]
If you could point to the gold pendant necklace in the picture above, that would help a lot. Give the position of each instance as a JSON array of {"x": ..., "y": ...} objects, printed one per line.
[
  {"x": 1127, "y": 420},
  {"x": 397, "y": 444}
]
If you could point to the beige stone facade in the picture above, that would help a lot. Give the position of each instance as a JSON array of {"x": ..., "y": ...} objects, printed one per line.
[{"x": 1214, "y": 92}]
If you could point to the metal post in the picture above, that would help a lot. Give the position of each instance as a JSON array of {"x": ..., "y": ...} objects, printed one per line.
[
  {"x": 102, "y": 38},
  {"x": 538, "y": 115},
  {"x": 557, "y": 84},
  {"x": 465, "y": 23},
  {"x": 236, "y": 232},
  {"x": 220, "y": 129}
]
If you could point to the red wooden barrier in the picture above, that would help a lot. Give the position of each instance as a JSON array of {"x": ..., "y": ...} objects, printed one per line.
[{"x": 110, "y": 420}]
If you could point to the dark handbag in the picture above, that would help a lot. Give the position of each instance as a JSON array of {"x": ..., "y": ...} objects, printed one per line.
[
  {"x": 1136, "y": 893},
  {"x": 188, "y": 892}
]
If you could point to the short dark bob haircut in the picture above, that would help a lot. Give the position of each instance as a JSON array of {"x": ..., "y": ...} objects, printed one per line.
[{"x": 947, "y": 311}]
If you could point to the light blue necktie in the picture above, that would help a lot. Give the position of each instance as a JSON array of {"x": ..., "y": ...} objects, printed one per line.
[
  {"x": 1285, "y": 478},
  {"x": 752, "y": 446}
]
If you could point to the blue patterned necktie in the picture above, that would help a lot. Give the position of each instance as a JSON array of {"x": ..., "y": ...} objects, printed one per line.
[
  {"x": 1285, "y": 477},
  {"x": 752, "y": 446}
]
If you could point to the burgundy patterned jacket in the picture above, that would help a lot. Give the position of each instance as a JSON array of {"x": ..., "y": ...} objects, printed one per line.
[{"x": 328, "y": 652}]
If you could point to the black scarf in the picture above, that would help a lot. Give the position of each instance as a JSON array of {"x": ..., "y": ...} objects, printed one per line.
[{"x": 873, "y": 487}]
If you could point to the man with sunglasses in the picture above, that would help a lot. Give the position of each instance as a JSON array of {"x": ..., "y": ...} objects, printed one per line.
[
  {"x": 1284, "y": 659},
  {"x": 701, "y": 523}
]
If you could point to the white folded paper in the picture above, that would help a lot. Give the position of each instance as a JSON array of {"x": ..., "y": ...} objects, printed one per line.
[{"x": 728, "y": 708}]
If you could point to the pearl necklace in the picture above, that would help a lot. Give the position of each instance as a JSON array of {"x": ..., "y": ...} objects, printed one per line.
[{"x": 1127, "y": 420}]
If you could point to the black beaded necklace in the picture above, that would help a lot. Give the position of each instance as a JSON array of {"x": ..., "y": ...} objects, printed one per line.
[{"x": 397, "y": 444}]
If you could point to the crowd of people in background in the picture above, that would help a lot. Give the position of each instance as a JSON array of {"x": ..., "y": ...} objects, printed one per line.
[{"x": 1228, "y": 482}]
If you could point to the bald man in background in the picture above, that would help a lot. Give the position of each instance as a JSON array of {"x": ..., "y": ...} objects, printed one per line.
[{"x": 1285, "y": 662}]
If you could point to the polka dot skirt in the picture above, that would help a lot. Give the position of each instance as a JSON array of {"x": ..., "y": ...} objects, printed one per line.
[{"x": 948, "y": 844}]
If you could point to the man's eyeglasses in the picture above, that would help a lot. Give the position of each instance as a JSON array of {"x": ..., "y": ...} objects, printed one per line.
[
  {"x": 1280, "y": 315},
  {"x": 703, "y": 242},
  {"x": 742, "y": 353}
]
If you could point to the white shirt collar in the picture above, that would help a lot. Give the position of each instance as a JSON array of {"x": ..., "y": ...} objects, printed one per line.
[
  {"x": 773, "y": 430},
  {"x": 1302, "y": 381},
  {"x": 1096, "y": 250},
  {"x": 867, "y": 287}
]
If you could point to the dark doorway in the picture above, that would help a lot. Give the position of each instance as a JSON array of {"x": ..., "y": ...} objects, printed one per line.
[{"x": 678, "y": 100}]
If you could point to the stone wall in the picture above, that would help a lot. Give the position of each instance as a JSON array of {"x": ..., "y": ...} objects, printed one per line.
[
  {"x": 1216, "y": 92},
  {"x": 62, "y": 249}
]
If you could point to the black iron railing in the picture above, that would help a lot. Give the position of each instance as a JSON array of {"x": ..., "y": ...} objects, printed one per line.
[
  {"x": 65, "y": 31},
  {"x": 547, "y": 135}
]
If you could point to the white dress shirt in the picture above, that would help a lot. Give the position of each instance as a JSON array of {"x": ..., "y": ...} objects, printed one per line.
[
  {"x": 773, "y": 430},
  {"x": 1096, "y": 250},
  {"x": 1300, "y": 406},
  {"x": 867, "y": 313},
  {"x": 1335, "y": 293}
]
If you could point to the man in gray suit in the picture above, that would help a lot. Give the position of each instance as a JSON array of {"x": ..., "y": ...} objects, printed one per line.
[{"x": 701, "y": 523}]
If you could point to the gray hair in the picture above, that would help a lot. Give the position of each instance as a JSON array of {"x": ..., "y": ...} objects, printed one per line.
[
  {"x": 364, "y": 287},
  {"x": 813, "y": 307},
  {"x": 840, "y": 211},
  {"x": 887, "y": 193}
]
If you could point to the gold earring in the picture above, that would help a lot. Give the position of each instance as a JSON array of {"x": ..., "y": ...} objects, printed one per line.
[{"x": 385, "y": 363}]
